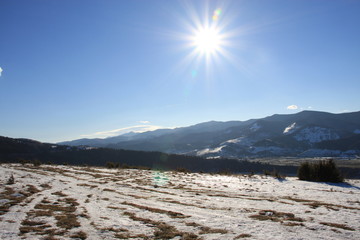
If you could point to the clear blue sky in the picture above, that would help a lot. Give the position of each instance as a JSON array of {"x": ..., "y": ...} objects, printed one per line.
[{"x": 76, "y": 68}]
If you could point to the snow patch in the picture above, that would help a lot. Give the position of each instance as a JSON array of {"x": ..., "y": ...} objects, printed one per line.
[
  {"x": 316, "y": 134},
  {"x": 235, "y": 140},
  {"x": 291, "y": 128},
  {"x": 209, "y": 150},
  {"x": 240, "y": 141},
  {"x": 255, "y": 127}
]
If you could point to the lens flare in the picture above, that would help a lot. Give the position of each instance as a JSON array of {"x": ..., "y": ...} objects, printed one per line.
[
  {"x": 217, "y": 14},
  {"x": 160, "y": 178},
  {"x": 194, "y": 73}
]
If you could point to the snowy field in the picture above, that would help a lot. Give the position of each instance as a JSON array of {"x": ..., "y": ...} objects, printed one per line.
[{"x": 65, "y": 202}]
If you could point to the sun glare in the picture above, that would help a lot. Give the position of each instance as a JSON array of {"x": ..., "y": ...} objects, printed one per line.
[{"x": 207, "y": 40}]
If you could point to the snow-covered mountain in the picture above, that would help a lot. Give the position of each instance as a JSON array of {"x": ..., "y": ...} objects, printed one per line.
[{"x": 304, "y": 134}]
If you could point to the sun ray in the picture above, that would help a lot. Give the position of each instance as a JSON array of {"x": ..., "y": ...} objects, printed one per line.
[
  {"x": 209, "y": 42},
  {"x": 207, "y": 36}
]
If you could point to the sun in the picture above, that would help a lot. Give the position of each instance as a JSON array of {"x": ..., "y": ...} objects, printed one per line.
[{"x": 207, "y": 40}]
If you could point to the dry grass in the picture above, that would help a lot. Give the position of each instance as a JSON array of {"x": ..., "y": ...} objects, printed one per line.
[
  {"x": 28, "y": 226},
  {"x": 45, "y": 186},
  {"x": 315, "y": 204},
  {"x": 60, "y": 194},
  {"x": 63, "y": 215},
  {"x": 41, "y": 213},
  {"x": 96, "y": 175},
  {"x": 136, "y": 196},
  {"x": 31, "y": 189},
  {"x": 80, "y": 234},
  {"x": 140, "y": 219},
  {"x": 163, "y": 230},
  {"x": 208, "y": 230},
  {"x": 166, "y": 231},
  {"x": 112, "y": 229},
  {"x": 130, "y": 236},
  {"x": 52, "y": 232},
  {"x": 86, "y": 185},
  {"x": 243, "y": 235},
  {"x": 45, "y": 200},
  {"x": 70, "y": 201},
  {"x": 274, "y": 216},
  {"x": 31, "y": 229},
  {"x": 157, "y": 210},
  {"x": 337, "y": 225},
  {"x": 55, "y": 208},
  {"x": 113, "y": 207},
  {"x": 16, "y": 198},
  {"x": 190, "y": 236},
  {"x": 7, "y": 194},
  {"x": 67, "y": 221},
  {"x": 330, "y": 206},
  {"x": 292, "y": 224},
  {"x": 297, "y": 199},
  {"x": 63, "y": 212},
  {"x": 108, "y": 190},
  {"x": 31, "y": 223},
  {"x": 193, "y": 224}
]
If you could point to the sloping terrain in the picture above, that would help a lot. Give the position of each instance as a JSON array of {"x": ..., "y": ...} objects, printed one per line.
[
  {"x": 304, "y": 134},
  {"x": 63, "y": 202}
]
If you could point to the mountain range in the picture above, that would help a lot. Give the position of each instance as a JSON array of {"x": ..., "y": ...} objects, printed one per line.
[{"x": 303, "y": 134}]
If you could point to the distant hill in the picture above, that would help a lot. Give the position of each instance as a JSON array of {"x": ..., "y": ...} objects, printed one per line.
[
  {"x": 26, "y": 150},
  {"x": 304, "y": 134}
]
